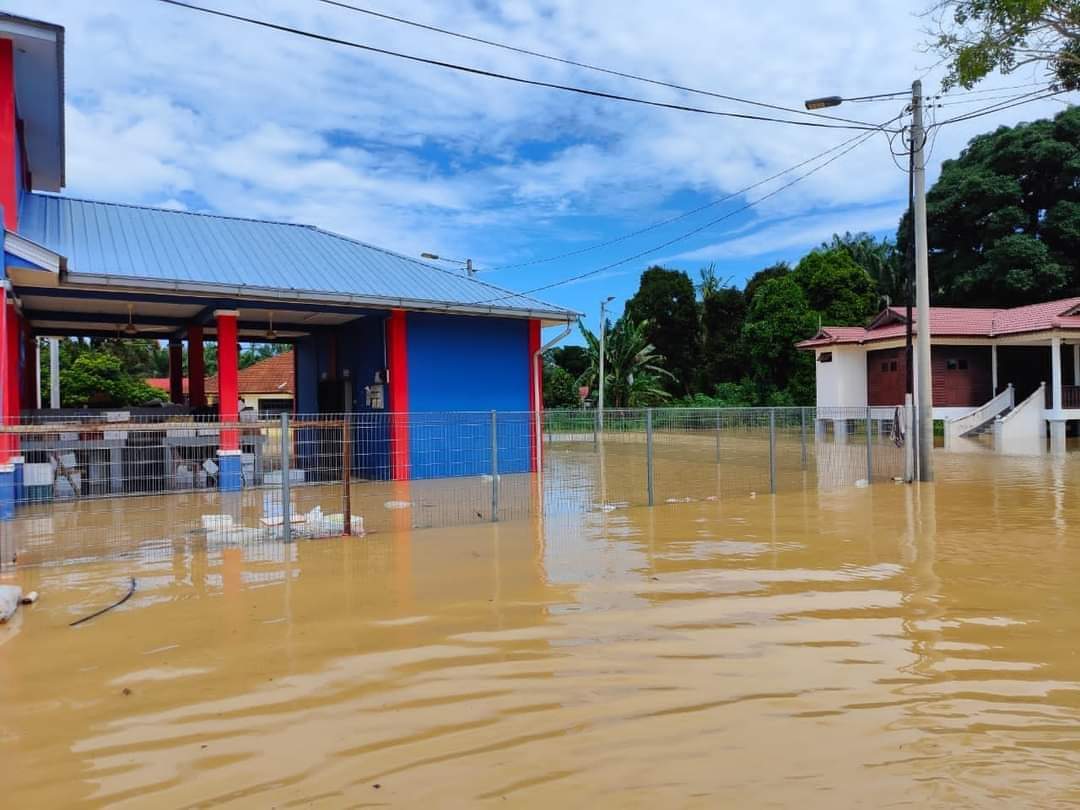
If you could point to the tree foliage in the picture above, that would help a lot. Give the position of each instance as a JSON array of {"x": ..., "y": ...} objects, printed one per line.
[
  {"x": 634, "y": 373},
  {"x": 779, "y": 317},
  {"x": 977, "y": 37},
  {"x": 573, "y": 359},
  {"x": 666, "y": 304},
  {"x": 99, "y": 379},
  {"x": 723, "y": 310},
  {"x": 560, "y": 388},
  {"x": 1003, "y": 219},
  {"x": 836, "y": 288}
]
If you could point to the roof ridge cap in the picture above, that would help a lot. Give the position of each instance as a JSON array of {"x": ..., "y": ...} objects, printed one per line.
[{"x": 140, "y": 207}]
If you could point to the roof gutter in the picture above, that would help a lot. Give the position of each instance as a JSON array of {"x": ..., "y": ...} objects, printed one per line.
[{"x": 261, "y": 294}]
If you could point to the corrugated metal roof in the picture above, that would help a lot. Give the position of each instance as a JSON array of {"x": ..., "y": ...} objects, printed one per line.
[{"x": 135, "y": 242}]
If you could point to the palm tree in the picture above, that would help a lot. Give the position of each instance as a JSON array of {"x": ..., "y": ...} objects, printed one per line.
[{"x": 633, "y": 372}]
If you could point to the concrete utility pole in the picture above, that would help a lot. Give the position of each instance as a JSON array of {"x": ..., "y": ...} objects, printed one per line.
[
  {"x": 924, "y": 387},
  {"x": 603, "y": 331},
  {"x": 54, "y": 373}
]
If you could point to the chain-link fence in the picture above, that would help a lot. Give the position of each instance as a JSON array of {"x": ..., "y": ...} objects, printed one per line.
[{"x": 80, "y": 486}]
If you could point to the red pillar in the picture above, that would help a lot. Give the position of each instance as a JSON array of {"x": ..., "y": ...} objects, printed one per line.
[
  {"x": 8, "y": 140},
  {"x": 5, "y": 373},
  {"x": 176, "y": 371},
  {"x": 397, "y": 352},
  {"x": 228, "y": 354},
  {"x": 536, "y": 380},
  {"x": 196, "y": 368}
]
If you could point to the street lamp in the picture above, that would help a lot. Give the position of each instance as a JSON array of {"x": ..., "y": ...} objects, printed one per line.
[
  {"x": 603, "y": 331},
  {"x": 466, "y": 263},
  {"x": 823, "y": 102},
  {"x": 924, "y": 433}
]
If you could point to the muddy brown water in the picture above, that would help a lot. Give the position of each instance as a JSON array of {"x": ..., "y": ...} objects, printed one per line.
[{"x": 881, "y": 646}]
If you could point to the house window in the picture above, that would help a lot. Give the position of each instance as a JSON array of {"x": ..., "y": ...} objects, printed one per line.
[
  {"x": 825, "y": 357},
  {"x": 956, "y": 364},
  {"x": 884, "y": 366},
  {"x": 892, "y": 366}
]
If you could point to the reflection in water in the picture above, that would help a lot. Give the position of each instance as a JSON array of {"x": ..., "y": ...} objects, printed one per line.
[{"x": 889, "y": 645}]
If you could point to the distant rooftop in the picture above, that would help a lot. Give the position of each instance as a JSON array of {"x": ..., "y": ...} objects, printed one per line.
[{"x": 891, "y": 323}]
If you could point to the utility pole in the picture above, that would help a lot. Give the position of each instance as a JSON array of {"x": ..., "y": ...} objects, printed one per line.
[
  {"x": 924, "y": 385},
  {"x": 603, "y": 331},
  {"x": 54, "y": 373}
]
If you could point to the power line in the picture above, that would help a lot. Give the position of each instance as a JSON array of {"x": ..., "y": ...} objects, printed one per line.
[
  {"x": 677, "y": 217},
  {"x": 505, "y": 76},
  {"x": 1026, "y": 98},
  {"x": 859, "y": 141},
  {"x": 585, "y": 65}
]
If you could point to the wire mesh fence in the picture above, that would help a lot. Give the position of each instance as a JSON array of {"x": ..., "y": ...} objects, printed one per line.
[{"x": 78, "y": 486}]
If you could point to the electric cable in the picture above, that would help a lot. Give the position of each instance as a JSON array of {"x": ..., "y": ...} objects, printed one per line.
[
  {"x": 506, "y": 76},
  {"x": 584, "y": 65}
]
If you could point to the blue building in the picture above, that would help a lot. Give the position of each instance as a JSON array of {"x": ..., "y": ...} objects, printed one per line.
[{"x": 376, "y": 333}]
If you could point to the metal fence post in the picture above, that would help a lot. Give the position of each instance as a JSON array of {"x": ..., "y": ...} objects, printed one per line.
[
  {"x": 717, "y": 435},
  {"x": 494, "y": 467},
  {"x": 802, "y": 434},
  {"x": 649, "y": 453},
  {"x": 286, "y": 505},
  {"x": 869, "y": 447},
  {"x": 346, "y": 473},
  {"x": 772, "y": 450}
]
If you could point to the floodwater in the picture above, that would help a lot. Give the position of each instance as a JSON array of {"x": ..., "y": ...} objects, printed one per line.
[{"x": 879, "y": 646}]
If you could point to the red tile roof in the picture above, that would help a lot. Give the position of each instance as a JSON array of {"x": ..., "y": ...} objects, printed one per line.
[
  {"x": 956, "y": 322},
  {"x": 162, "y": 383},
  {"x": 274, "y": 375}
]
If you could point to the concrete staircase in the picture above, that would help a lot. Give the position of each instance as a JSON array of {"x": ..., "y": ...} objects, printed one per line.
[{"x": 980, "y": 421}]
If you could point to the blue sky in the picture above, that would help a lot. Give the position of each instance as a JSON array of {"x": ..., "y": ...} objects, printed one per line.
[{"x": 168, "y": 107}]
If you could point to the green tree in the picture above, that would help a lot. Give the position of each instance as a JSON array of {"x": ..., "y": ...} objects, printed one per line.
[
  {"x": 573, "y": 359},
  {"x": 977, "y": 37},
  {"x": 779, "y": 317},
  {"x": 560, "y": 388},
  {"x": 836, "y": 288},
  {"x": 723, "y": 310},
  {"x": 878, "y": 257},
  {"x": 634, "y": 374},
  {"x": 666, "y": 304},
  {"x": 99, "y": 379},
  {"x": 778, "y": 270},
  {"x": 1003, "y": 219}
]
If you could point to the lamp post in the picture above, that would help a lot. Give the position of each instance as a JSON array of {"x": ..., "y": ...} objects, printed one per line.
[
  {"x": 466, "y": 263},
  {"x": 603, "y": 331},
  {"x": 924, "y": 437}
]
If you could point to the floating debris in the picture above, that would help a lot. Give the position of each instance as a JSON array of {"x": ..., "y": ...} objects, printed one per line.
[{"x": 10, "y": 599}]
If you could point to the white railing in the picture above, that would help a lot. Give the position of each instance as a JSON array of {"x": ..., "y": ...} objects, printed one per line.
[
  {"x": 963, "y": 425},
  {"x": 1023, "y": 430}
]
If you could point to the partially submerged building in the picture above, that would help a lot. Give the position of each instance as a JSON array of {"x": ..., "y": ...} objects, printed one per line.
[
  {"x": 1013, "y": 371},
  {"x": 375, "y": 332}
]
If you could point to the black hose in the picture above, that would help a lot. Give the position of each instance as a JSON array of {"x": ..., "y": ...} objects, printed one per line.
[{"x": 126, "y": 596}]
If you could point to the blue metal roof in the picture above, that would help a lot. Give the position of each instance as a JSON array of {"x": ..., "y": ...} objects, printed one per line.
[{"x": 156, "y": 245}]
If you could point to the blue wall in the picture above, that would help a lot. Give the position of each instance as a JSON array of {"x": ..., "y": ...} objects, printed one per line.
[
  {"x": 468, "y": 366},
  {"x": 460, "y": 368},
  {"x": 360, "y": 350}
]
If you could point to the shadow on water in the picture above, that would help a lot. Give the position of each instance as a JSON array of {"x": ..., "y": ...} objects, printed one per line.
[{"x": 884, "y": 645}]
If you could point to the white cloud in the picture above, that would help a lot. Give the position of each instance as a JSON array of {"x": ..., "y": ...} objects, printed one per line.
[
  {"x": 801, "y": 232},
  {"x": 165, "y": 102}
]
